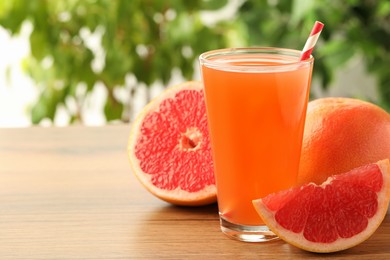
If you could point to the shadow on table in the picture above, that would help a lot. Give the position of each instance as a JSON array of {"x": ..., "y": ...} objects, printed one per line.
[{"x": 171, "y": 212}]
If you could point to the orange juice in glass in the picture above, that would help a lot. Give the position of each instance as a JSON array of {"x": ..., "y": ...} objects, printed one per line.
[{"x": 256, "y": 101}]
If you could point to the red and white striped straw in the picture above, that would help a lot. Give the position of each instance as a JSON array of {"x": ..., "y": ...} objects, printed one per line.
[{"x": 312, "y": 40}]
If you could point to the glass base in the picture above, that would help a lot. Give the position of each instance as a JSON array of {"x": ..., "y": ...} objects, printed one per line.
[{"x": 247, "y": 233}]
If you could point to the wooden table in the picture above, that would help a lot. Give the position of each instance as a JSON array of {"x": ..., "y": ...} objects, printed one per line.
[{"x": 69, "y": 193}]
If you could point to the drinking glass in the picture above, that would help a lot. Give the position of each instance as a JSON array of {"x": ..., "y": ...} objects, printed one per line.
[{"x": 256, "y": 100}]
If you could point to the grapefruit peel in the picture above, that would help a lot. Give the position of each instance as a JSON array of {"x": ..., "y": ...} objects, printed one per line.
[
  {"x": 342, "y": 134},
  {"x": 268, "y": 207}
]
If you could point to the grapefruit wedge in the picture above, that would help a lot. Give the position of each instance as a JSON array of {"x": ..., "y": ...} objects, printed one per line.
[
  {"x": 169, "y": 147},
  {"x": 338, "y": 214}
]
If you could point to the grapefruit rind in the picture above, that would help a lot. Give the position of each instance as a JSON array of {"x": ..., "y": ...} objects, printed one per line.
[
  {"x": 178, "y": 196},
  {"x": 336, "y": 140},
  {"x": 298, "y": 240}
]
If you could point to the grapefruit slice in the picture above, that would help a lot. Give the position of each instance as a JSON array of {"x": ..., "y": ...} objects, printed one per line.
[
  {"x": 340, "y": 213},
  {"x": 169, "y": 147}
]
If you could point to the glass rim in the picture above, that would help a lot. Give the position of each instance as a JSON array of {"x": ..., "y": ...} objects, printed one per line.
[{"x": 205, "y": 58}]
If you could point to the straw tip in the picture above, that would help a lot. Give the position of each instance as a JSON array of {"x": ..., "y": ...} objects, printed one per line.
[
  {"x": 312, "y": 40},
  {"x": 319, "y": 24}
]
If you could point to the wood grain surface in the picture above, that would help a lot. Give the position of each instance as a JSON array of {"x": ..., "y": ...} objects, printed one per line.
[{"x": 69, "y": 193}]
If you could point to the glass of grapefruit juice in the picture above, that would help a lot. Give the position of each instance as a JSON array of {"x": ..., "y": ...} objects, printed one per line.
[{"x": 256, "y": 100}]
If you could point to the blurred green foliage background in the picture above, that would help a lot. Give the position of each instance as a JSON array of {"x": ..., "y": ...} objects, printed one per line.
[{"x": 148, "y": 39}]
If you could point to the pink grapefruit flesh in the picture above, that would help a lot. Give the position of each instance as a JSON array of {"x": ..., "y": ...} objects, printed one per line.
[
  {"x": 340, "y": 213},
  {"x": 169, "y": 147}
]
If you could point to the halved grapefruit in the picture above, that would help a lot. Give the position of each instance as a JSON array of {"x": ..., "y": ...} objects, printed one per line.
[
  {"x": 338, "y": 214},
  {"x": 169, "y": 147}
]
